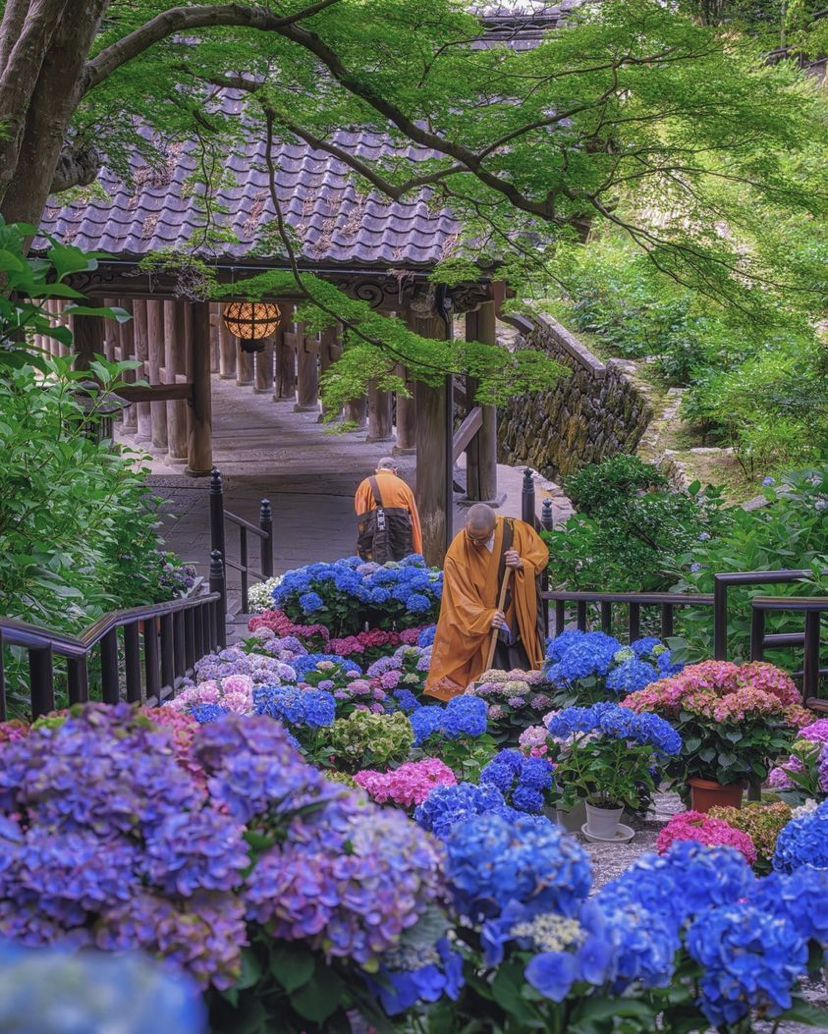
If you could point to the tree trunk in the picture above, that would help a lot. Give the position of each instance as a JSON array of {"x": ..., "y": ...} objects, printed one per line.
[{"x": 28, "y": 171}]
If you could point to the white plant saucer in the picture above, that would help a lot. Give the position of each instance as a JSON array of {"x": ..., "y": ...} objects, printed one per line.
[{"x": 622, "y": 835}]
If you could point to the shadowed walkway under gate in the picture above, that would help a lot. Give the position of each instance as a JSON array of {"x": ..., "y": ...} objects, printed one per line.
[{"x": 266, "y": 450}]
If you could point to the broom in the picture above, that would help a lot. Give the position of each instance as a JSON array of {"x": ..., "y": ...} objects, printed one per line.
[{"x": 501, "y": 602}]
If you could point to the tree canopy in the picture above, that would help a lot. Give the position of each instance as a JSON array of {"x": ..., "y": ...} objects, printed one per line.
[{"x": 635, "y": 115}]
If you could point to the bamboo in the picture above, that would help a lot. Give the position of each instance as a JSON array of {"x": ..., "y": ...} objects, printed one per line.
[{"x": 501, "y": 602}]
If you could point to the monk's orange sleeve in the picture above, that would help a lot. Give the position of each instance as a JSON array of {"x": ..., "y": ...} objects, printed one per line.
[
  {"x": 467, "y": 611},
  {"x": 363, "y": 498}
]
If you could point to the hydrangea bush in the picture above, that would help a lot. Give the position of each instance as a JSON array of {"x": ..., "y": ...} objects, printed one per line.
[
  {"x": 735, "y": 720},
  {"x": 349, "y": 595},
  {"x": 608, "y": 755},
  {"x": 515, "y": 700},
  {"x": 588, "y": 667}
]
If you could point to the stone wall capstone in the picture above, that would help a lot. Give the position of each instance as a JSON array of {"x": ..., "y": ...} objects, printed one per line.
[{"x": 595, "y": 413}]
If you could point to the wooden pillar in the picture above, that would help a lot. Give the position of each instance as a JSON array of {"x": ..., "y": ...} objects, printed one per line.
[
  {"x": 264, "y": 369},
  {"x": 379, "y": 414},
  {"x": 356, "y": 412},
  {"x": 126, "y": 339},
  {"x": 110, "y": 342},
  {"x": 330, "y": 350},
  {"x": 307, "y": 380},
  {"x": 285, "y": 387},
  {"x": 139, "y": 313},
  {"x": 174, "y": 370},
  {"x": 215, "y": 338},
  {"x": 227, "y": 353},
  {"x": 244, "y": 365},
  {"x": 200, "y": 437},
  {"x": 432, "y": 501},
  {"x": 406, "y": 418},
  {"x": 87, "y": 340},
  {"x": 481, "y": 455},
  {"x": 155, "y": 350}
]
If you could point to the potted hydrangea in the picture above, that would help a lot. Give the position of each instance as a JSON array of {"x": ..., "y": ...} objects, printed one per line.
[
  {"x": 735, "y": 722},
  {"x": 606, "y": 755}
]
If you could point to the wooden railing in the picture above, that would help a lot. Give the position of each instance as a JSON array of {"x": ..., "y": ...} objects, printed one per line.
[
  {"x": 142, "y": 653},
  {"x": 812, "y": 608},
  {"x": 264, "y": 533}
]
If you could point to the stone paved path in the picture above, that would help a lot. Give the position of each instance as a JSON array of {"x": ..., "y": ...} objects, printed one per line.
[{"x": 266, "y": 450}]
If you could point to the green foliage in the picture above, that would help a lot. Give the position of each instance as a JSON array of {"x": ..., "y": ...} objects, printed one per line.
[
  {"x": 620, "y": 477},
  {"x": 610, "y": 123},
  {"x": 758, "y": 386},
  {"x": 629, "y": 542},
  {"x": 27, "y": 284},
  {"x": 78, "y": 530},
  {"x": 791, "y": 532}
]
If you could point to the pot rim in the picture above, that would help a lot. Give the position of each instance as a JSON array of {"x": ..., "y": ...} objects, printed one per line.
[{"x": 711, "y": 784}]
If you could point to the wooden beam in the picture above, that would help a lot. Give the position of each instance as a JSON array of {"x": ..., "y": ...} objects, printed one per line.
[
  {"x": 466, "y": 431},
  {"x": 174, "y": 367},
  {"x": 157, "y": 393}
]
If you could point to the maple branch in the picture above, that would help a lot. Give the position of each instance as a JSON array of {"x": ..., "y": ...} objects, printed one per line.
[{"x": 180, "y": 19}]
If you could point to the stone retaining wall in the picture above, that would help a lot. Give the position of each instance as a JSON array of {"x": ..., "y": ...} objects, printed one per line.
[{"x": 597, "y": 412}]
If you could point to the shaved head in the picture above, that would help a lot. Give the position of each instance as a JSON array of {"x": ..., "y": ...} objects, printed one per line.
[
  {"x": 480, "y": 519},
  {"x": 387, "y": 463}
]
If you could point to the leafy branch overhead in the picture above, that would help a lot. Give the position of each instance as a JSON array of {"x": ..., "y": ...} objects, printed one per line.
[{"x": 634, "y": 115}]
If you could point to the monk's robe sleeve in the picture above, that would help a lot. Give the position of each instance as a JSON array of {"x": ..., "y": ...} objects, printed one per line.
[
  {"x": 465, "y": 610},
  {"x": 364, "y": 498},
  {"x": 533, "y": 551}
]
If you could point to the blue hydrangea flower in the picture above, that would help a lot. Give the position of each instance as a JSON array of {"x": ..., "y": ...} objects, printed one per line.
[
  {"x": 311, "y": 602},
  {"x": 465, "y": 715},
  {"x": 804, "y": 841},
  {"x": 447, "y": 805},
  {"x": 632, "y": 676},
  {"x": 406, "y": 701},
  {"x": 426, "y": 722},
  {"x": 427, "y": 636},
  {"x": 647, "y": 646},
  {"x": 751, "y": 961},
  {"x": 314, "y": 708},
  {"x": 494, "y": 860},
  {"x": 800, "y": 898},
  {"x": 204, "y": 713}
]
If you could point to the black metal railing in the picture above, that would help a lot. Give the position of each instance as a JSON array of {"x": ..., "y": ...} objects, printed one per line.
[
  {"x": 141, "y": 654},
  {"x": 264, "y": 533},
  {"x": 812, "y": 609}
]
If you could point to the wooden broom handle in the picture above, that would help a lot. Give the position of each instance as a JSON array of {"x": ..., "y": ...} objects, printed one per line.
[{"x": 500, "y": 604}]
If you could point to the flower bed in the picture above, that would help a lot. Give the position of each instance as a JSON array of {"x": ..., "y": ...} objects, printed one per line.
[
  {"x": 349, "y": 595},
  {"x": 258, "y": 834}
]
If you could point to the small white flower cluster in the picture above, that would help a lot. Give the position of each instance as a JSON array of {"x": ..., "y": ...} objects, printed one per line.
[
  {"x": 260, "y": 596},
  {"x": 551, "y": 932}
]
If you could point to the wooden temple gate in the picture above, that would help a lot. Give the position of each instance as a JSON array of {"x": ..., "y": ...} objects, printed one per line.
[{"x": 181, "y": 344}]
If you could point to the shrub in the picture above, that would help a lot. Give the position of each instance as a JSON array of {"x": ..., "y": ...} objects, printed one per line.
[
  {"x": 630, "y": 542},
  {"x": 620, "y": 477},
  {"x": 78, "y": 529}
]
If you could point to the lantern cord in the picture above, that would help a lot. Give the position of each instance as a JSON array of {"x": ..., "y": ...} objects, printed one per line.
[{"x": 294, "y": 266}]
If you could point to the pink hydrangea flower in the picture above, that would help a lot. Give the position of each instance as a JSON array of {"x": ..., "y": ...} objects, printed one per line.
[
  {"x": 408, "y": 785},
  {"x": 693, "y": 825}
]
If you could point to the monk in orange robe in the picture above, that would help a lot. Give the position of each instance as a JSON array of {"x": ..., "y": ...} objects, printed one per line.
[
  {"x": 397, "y": 533},
  {"x": 474, "y": 568}
]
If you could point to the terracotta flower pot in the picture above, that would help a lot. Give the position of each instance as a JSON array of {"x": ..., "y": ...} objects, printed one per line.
[{"x": 706, "y": 794}]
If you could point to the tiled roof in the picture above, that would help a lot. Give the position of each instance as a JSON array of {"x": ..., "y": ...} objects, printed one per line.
[{"x": 335, "y": 222}]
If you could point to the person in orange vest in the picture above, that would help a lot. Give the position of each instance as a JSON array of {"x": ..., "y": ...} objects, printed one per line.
[{"x": 388, "y": 525}]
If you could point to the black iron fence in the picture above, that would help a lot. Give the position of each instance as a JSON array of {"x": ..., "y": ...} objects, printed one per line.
[
  {"x": 599, "y": 609},
  {"x": 139, "y": 655},
  {"x": 219, "y": 518}
]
